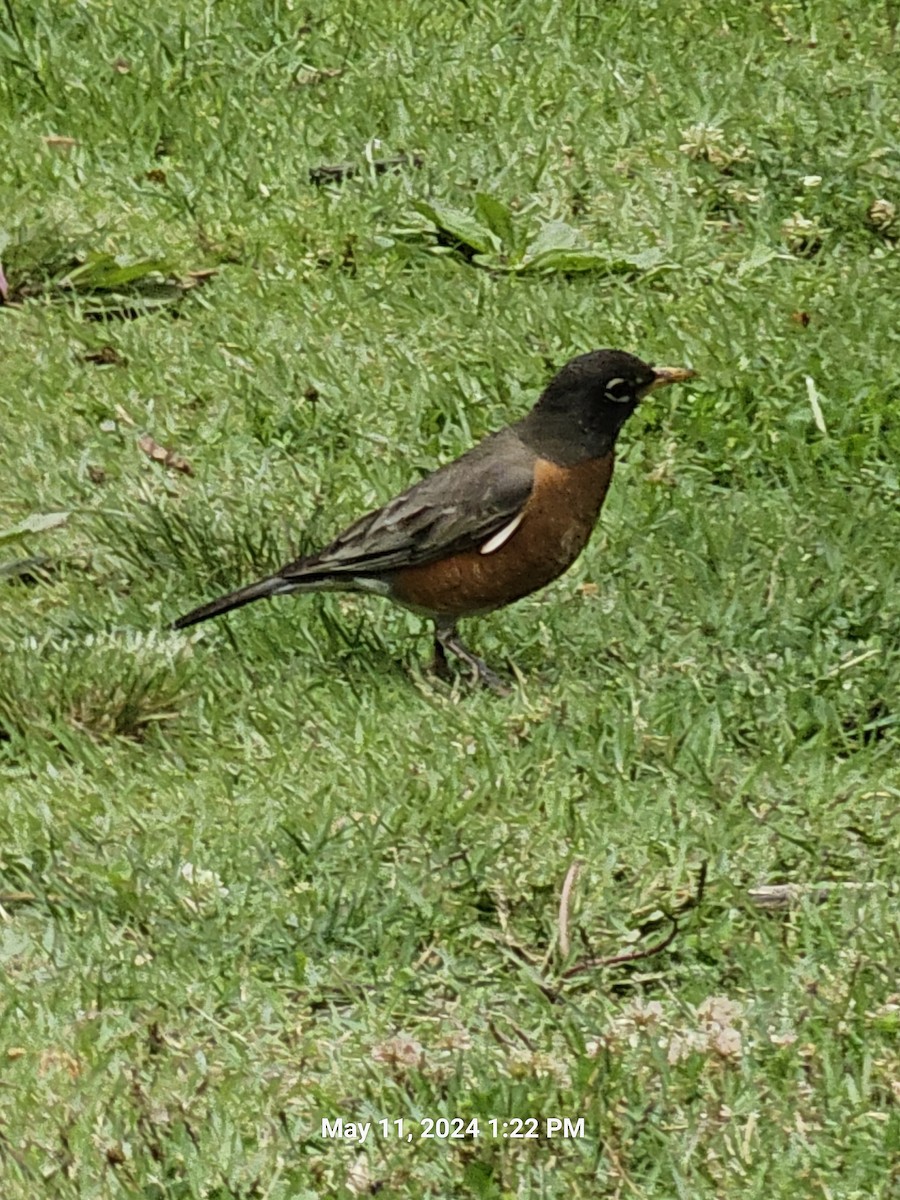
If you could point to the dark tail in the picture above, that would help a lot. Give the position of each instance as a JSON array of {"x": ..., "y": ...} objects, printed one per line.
[{"x": 224, "y": 604}]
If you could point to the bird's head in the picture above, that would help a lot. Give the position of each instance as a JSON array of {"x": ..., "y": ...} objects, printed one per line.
[
  {"x": 588, "y": 401},
  {"x": 614, "y": 381}
]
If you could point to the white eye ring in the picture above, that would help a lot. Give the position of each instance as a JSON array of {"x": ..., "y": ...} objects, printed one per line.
[{"x": 616, "y": 399}]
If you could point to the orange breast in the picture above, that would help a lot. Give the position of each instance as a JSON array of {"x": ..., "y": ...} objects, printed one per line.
[{"x": 557, "y": 523}]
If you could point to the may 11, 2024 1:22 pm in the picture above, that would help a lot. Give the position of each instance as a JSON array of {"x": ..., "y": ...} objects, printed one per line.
[{"x": 447, "y": 1128}]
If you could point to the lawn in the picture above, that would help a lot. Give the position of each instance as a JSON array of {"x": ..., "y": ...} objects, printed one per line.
[{"x": 268, "y": 872}]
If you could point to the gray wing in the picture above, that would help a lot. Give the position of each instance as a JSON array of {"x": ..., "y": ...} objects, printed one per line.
[{"x": 457, "y": 508}]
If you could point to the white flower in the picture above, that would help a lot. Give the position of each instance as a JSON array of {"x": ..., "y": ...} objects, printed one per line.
[
  {"x": 882, "y": 215},
  {"x": 206, "y": 887}
]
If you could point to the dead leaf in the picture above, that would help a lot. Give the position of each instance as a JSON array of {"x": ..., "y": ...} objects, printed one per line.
[
  {"x": 402, "y": 1053},
  {"x": 801, "y": 318},
  {"x": 59, "y": 1060},
  {"x": 168, "y": 458},
  {"x": 198, "y": 278},
  {"x": 62, "y": 144},
  {"x": 106, "y": 356}
]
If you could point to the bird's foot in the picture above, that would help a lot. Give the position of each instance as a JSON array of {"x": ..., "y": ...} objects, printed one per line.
[{"x": 447, "y": 640}]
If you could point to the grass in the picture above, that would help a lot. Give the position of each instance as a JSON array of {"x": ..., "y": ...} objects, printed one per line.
[{"x": 269, "y": 872}]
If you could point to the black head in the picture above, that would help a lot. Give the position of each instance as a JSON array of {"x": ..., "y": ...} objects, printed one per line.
[{"x": 587, "y": 402}]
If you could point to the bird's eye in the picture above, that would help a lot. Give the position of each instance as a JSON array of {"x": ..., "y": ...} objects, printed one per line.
[{"x": 618, "y": 391}]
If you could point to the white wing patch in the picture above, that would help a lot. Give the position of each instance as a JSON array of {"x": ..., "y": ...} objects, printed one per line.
[{"x": 503, "y": 536}]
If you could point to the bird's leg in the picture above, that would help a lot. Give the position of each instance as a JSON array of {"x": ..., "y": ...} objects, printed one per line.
[
  {"x": 447, "y": 640},
  {"x": 439, "y": 664}
]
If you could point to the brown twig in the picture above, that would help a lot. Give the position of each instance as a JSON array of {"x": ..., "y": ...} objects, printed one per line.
[
  {"x": 614, "y": 960},
  {"x": 627, "y": 956}
]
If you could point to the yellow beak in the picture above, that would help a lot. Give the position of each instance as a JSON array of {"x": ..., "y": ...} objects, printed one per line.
[{"x": 663, "y": 376}]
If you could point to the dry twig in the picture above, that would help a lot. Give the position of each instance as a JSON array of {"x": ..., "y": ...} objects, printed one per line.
[
  {"x": 564, "y": 902},
  {"x": 788, "y": 895}
]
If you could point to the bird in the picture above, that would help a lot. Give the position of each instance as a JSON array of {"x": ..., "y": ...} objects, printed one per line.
[{"x": 500, "y": 522}]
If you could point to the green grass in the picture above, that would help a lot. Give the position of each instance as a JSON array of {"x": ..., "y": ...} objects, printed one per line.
[{"x": 270, "y": 872}]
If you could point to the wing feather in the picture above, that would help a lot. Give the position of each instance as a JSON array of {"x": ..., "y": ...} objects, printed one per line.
[{"x": 459, "y": 507}]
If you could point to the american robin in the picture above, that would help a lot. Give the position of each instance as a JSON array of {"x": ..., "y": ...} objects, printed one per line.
[{"x": 498, "y": 523}]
